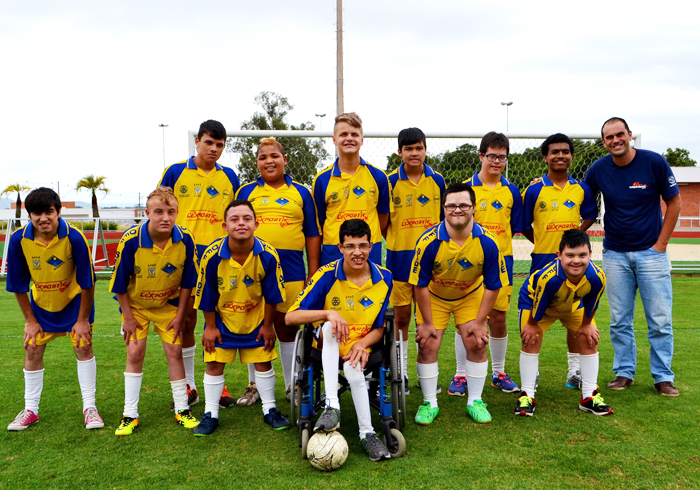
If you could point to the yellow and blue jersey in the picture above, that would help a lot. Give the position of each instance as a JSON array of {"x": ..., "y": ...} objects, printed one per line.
[
  {"x": 150, "y": 276},
  {"x": 59, "y": 272},
  {"x": 286, "y": 216},
  {"x": 452, "y": 272},
  {"x": 549, "y": 292},
  {"x": 340, "y": 197},
  {"x": 416, "y": 208},
  {"x": 500, "y": 211},
  {"x": 237, "y": 293},
  {"x": 202, "y": 198},
  {"x": 550, "y": 210},
  {"x": 363, "y": 307}
]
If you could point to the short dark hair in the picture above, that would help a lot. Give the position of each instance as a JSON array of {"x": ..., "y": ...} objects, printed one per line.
[
  {"x": 240, "y": 202},
  {"x": 459, "y": 187},
  {"x": 494, "y": 140},
  {"x": 411, "y": 136},
  {"x": 213, "y": 128},
  {"x": 355, "y": 228},
  {"x": 614, "y": 119},
  {"x": 41, "y": 199},
  {"x": 556, "y": 138},
  {"x": 574, "y": 238}
]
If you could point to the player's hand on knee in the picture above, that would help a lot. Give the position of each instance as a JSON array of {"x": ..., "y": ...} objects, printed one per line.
[
  {"x": 268, "y": 334},
  {"x": 478, "y": 330},
  {"x": 531, "y": 335},
  {"x": 424, "y": 332},
  {"x": 32, "y": 330},
  {"x": 82, "y": 332},
  {"x": 357, "y": 355},
  {"x": 129, "y": 328},
  {"x": 209, "y": 338},
  {"x": 591, "y": 333}
]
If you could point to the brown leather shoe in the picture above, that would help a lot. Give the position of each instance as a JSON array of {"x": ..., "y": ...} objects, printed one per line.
[
  {"x": 666, "y": 388},
  {"x": 620, "y": 383}
]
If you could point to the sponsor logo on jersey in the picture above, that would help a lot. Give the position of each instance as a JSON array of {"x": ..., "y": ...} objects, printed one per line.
[
  {"x": 358, "y": 191},
  {"x": 638, "y": 185},
  {"x": 210, "y": 216},
  {"x": 366, "y": 302},
  {"x": 226, "y": 194},
  {"x": 265, "y": 200},
  {"x": 424, "y": 223},
  {"x": 151, "y": 270},
  {"x": 197, "y": 190},
  {"x": 282, "y": 221},
  {"x": 183, "y": 189},
  {"x": 159, "y": 293},
  {"x": 169, "y": 268},
  {"x": 555, "y": 205},
  {"x": 557, "y": 226},
  {"x": 52, "y": 286},
  {"x": 335, "y": 301},
  {"x": 282, "y": 201},
  {"x": 453, "y": 284},
  {"x": 352, "y": 215},
  {"x": 465, "y": 264},
  {"x": 233, "y": 282},
  {"x": 238, "y": 307},
  {"x": 497, "y": 205},
  {"x": 211, "y": 190},
  {"x": 36, "y": 262},
  {"x": 542, "y": 205},
  {"x": 569, "y": 203},
  {"x": 55, "y": 262},
  {"x": 137, "y": 270},
  {"x": 350, "y": 303},
  {"x": 409, "y": 199},
  {"x": 372, "y": 191},
  {"x": 494, "y": 228},
  {"x": 248, "y": 281},
  {"x": 671, "y": 181},
  {"x": 397, "y": 201},
  {"x": 423, "y": 199}
]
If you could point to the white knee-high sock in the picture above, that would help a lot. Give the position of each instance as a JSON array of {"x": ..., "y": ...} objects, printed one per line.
[
  {"x": 428, "y": 380},
  {"x": 476, "y": 377},
  {"x": 132, "y": 394},
  {"x": 265, "y": 381},
  {"x": 251, "y": 372},
  {"x": 574, "y": 361},
  {"x": 286, "y": 355},
  {"x": 188, "y": 360},
  {"x": 498, "y": 348},
  {"x": 33, "y": 386},
  {"x": 179, "y": 389},
  {"x": 529, "y": 364},
  {"x": 87, "y": 377},
  {"x": 360, "y": 397},
  {"x": 460, "y": 356},
  {"x": 589, "y": 374},
  {"x": 213, "y": 387},
  {"x": 329, "y": 358}
]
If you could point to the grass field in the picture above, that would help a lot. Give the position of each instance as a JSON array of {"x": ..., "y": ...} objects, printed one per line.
[{"x": 650, "y": 441}]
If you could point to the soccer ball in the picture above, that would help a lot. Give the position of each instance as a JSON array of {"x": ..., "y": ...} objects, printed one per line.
[{"x": 327, "y": 451}]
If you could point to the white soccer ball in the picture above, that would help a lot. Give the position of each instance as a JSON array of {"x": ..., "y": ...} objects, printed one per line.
[{"x": 327, "y": 451}]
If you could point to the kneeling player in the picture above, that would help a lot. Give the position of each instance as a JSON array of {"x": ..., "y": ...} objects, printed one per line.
[
  {"x": 351, "y": 326},
  {"x": 240, "y": 285},
  {"x": 153, "y": 279},
  {"x": 568, "y": 289}
]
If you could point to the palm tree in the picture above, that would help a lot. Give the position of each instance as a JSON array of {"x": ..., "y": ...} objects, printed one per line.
[
  {"x": 93, "y": 184},
  {"x": 18, "y": 188}
]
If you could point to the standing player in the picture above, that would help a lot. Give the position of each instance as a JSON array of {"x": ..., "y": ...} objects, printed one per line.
[
  {"x": 203, "y": 188},
  {"x": 350, "y": 188},
  {"x": 240, "y": 285},
  {"x": 457, "y": 269},
  {"x": 55, "y": 257},
  {"x": 351, "y": 326},
  {"x": 567, "y": 289},
  {"x": 552, "y": 205},
  {"x": 153, "y": 277},
  {"x": 498, "y": 208},
  {"x": 286, "y": 216},
  {"x": 416, "y": 193},
  {"x": 633, "y": 182}
]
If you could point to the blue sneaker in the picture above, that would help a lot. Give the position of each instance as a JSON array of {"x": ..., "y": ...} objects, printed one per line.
[
  {"x": 503, "y": 382},
  {"x": 276, "y": 420},
  {"x": 207, "y": 425},
  {"x": 458, "y": 386},
  {"x": 573, "y": 380}
]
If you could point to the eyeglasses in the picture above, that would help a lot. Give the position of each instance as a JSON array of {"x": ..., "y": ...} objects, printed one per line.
[
  {"x": 492, "y": 157},
  {"x": 364, "y": 247},
  {"x": 453, "y": 207}
]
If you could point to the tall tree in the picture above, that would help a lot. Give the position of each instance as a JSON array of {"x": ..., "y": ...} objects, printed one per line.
[
  {"x": 93, "y": 184},
  {"x": 304, "y": 155},
  {"x": 18, "y": 188},
  {"x": 680, "y": 157}
]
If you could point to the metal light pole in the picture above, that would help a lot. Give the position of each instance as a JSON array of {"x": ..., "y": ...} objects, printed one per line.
[
  {"x": 320, "y": 121},
  {"x": 163, "y": 126},
  {"x": 507, "y": 104},
  {"x": 340, "y": 108}
]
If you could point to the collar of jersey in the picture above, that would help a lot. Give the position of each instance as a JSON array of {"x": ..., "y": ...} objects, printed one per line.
[
  {"x": 145, "y": 239},
  {"x": 562, "y": 275},
  {"x": 62, "y": 230},
  {"x": 445, "y": 237},
  {"x": 476, "y": 181},
  {"x": 287, "y": 178},
  {"x": 549, "y": 183},
  {"x": 336, "y": 170},
  {"x": 375, "y": 274},
  {"x": 193, "y": 166},
  {"x": 427, "y": 171},
  {"x": 225, "y": 252}
]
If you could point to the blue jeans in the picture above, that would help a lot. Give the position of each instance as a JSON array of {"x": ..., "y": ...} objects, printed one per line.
[{"x": 650, "y": 272}]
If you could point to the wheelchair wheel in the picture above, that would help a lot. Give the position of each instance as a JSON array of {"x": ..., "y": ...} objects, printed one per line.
[
  {"x": 297, "y": 360},
  {"x": 305, "y": 443},
  {"x": 398, "y": 390},
  {"x": 398, "y": 449}
]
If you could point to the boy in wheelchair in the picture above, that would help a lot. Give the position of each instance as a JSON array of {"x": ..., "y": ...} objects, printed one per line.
[{"x": 350, "y": 297}]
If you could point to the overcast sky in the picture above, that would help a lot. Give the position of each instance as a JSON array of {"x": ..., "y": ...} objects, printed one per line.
[{"x": 85, "y": 84}]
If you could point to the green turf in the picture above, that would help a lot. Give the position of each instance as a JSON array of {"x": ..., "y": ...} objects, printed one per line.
[{"x": 650, "y": 442}]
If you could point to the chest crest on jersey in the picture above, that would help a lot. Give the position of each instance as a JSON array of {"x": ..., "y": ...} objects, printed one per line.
[
  {"x": 569, "y": 203},
  {"x": 55, "y": 262},
  {"x": 496, "y": 204}
]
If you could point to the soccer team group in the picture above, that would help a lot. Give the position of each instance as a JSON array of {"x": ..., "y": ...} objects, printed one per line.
[{"x": 237, "y": 254}]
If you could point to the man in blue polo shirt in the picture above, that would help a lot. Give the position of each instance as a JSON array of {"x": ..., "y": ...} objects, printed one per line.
[{"x": 634, "y": 251}]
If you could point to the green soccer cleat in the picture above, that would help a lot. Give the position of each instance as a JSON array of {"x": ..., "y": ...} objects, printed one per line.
[
  {"x": 186, "y": 419},
  {"x": 478, "y": 412},
  {"x": 127, "y": 426},
  {"x": 426, "y": 414}
]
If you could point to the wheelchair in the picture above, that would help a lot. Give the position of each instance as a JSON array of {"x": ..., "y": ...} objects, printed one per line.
[{"x": 385, "y": 369}]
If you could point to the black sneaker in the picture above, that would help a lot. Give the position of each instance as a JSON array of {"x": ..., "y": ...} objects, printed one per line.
[
  {"x": 328, "y": 421},
  {"x": 276, "y": 420},
  {"x": 595, "y": 404},
  {"x": 525, "y": 406},
  {"x": 206, "y": 426},
  {"x": 375, "y": 449}
]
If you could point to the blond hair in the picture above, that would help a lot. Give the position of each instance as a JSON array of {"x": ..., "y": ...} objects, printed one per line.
[
  {"x": 165, "y": 194},
  {"x": 270, "y": 141},
  {"x": 349, "y": 117}
]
